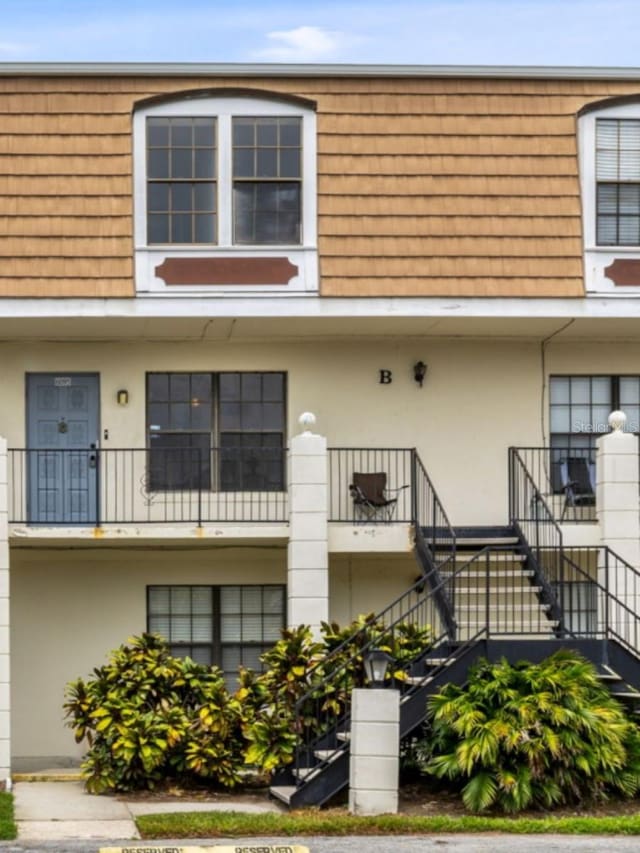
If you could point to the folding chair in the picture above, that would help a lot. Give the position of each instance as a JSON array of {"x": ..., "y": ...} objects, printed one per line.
[
  {"x": 578, "y": 483},
  {"x": 371, "y": 498}
]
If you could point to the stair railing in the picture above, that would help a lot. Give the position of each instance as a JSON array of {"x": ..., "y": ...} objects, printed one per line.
[
  {"x": 435, "y": 541},
  {"x": 537, "y": 528},
  {"x": 602, "y": 597},
  {"x": 322, "y": 713}
]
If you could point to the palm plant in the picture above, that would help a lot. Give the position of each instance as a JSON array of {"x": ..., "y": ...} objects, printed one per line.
[{"x": 532, "y": 735}]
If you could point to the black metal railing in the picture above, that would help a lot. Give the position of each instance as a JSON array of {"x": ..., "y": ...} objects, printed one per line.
[
  {"x": 553, "y": 469},
  {"x": 323, "y": 712},
  {"x": 599, "y": 593},
  {"x": 433, "y": 528},
  {"x": 346, "y": 463},
  {"x": 536, "y": 526},
  {"x": 147, "y": 485}
]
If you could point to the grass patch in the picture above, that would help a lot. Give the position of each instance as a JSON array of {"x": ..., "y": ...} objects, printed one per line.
[
  {"x": 8, "y": 829},
  {"x": 313, "y": 822}
]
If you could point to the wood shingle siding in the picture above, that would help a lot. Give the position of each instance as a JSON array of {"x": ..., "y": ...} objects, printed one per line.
[{"x": 426, "y": 186}]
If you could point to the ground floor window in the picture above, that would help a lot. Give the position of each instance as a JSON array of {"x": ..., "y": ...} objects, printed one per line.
[
  {"x": 227, "y": 626},
  {"x": 220, "y": 431}
]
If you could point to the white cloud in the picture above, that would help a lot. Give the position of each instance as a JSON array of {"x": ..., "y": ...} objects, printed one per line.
[{"x": 304, "y": 44}]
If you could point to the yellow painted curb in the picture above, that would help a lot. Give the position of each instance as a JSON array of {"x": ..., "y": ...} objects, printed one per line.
[{"x": 236, "y": 848}]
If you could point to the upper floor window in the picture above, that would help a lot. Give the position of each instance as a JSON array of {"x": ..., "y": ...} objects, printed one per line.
[
  {"x": 618, "y": 182},
  {"x": 263, "y": 198},
  {"x": 225, "y": 194},
  {"x": 225, "y": 171}
]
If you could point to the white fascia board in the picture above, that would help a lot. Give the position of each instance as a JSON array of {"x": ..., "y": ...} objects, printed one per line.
[
  {"x": 326, "y": 307},
  {"x": 187, "y": 69}
]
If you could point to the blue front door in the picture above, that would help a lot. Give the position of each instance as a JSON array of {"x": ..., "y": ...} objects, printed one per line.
[{"x": 62, "y": 441}]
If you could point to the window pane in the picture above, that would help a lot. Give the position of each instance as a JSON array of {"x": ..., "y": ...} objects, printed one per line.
[
  {"x": 629, "y": 391},
  {"x": 243, "y": 163},
  {"x": 629, "y": 233},
  {"x": 289, "y": 163},
  {"x": 272, "y": 416},
  {"x": 252, "y": 599},
  {"x": 158, "y": 386},
  {"x": 181, "y": 163},
  {"x": 159, "y": 415},
  {"x": 230, "y": 386},
  {"x": 180, "y": 599},
  {"x": 601, "y": 389},
  {"x": 251, "y": 386},
  {"x": 204, "y": 197},
  {"x": 158, "y": 131},
  {"x": 204, "y": 164},
  {"x": 629, "y": 195},
  {"x": 267, "y": 165},
  {"x": 158, "y": 197},
  {"x": 243, "y": 131},
  {"x": 230, "y": 628},
  {"x": 182, "y": 132},
  {"x": 179, "y": 386},
  {"x": 230, "y": 597},
  {"x": 201, "y": 599},
  {"x": 267, "y": 131},
  {"x": 180, "y": 416},
  {"x": 580, "y": 389},
  {"x": 229, "y": 415},
  {"x": 160, "y": 624},
  {"x": 159, "y": 599},
  {"x": 559, "y": 389},
  {"x": 181, "y": 231},
  {"x": 158, "y": 163},
  {"x": 205, "y": 225},
  {"x": 204, "y": 132},
  {"x": 201, "y": 629},
  {"x": 158, "y": 228},
  {"x": 181, "y": 196},
  {"x": 290, "y": 132},
  {"x": 560, "y": 419},
  {"x": 252, "y": 416}
]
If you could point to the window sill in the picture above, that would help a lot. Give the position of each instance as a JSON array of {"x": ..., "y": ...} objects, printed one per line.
[{"x": 233, "y": 270}]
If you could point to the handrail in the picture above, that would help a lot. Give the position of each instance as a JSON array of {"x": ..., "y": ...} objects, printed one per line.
[
  {"x": 326, "y": 717},
  {"x": 535, "y": 524},
  {"x": 428, "y": 513}
]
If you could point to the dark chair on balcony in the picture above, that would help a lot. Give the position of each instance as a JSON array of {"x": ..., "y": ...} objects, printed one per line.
[
  {"x": 372, "y": 500},
  {"x": 578, "y": 483}
]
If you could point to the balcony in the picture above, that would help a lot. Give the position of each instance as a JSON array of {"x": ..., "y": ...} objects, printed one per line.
[{"x": 159, "y": 487}]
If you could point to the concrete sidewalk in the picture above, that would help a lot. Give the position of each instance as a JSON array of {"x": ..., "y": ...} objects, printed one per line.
[{"x": 50, "y": 811}]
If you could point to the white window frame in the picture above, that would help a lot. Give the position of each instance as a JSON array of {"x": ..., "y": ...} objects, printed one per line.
[
  {"x": 597, "y": 258},
  {"x": 224, "y": 108}
]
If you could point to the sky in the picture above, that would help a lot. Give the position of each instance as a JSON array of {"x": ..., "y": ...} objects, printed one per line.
[{"x": 426, "y": 32}]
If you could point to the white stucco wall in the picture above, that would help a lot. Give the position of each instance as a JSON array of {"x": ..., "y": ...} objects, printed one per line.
[
  {"x": 71, "y": 606},
  {"x": 479, "y": 396}
]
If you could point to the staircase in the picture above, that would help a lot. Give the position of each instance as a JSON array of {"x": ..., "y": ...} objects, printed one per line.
[{"x": 493, "y": 592}]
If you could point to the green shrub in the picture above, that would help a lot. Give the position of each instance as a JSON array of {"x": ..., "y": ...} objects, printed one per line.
[
  {"x": 528, "y": 735},
  {"x": 147, "y": 716}
]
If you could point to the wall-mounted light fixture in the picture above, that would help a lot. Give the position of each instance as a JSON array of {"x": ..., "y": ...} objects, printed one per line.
[
  {"x": 122, "y": 396},
  {"x": 419, "y": 372}
]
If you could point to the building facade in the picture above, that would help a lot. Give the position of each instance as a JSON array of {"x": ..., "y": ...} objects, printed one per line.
[{"x": 193, "y": 256}]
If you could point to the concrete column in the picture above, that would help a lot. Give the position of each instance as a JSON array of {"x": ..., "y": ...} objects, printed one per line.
[
  {"x": 618, "y": 506},
  {"x": 374, "y": 751},
  {"x": 618, "y": 490},
  {"x": 5, "y": 731},
  {"x": 308, "y": 555}
]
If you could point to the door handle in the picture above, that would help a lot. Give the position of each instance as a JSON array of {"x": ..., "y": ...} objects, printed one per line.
[{"x": 93, "y": 457}]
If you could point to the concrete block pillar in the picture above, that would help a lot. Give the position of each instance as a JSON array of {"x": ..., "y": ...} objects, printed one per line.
[
  {"x": 618, "y": 506},
  {"x": 308, "y": 554},
  {"x": 374, "y": 751},
  {"x": 5, "y": 731},
  {"x": 618, "y": 490}
]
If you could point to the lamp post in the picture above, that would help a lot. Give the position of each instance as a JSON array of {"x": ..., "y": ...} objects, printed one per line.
[
  {"x": 374, "y": 753},
  {"x": 376, "y": 666}
]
